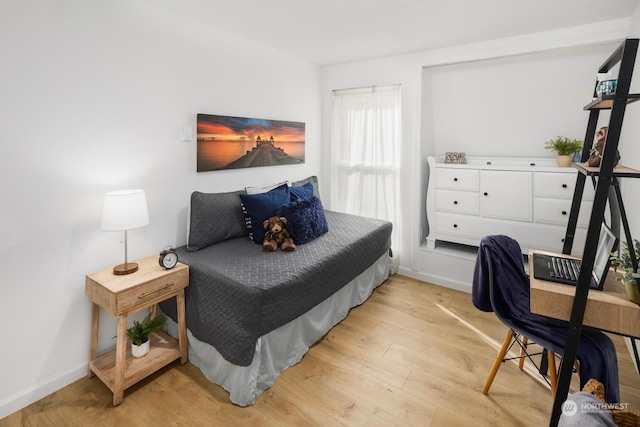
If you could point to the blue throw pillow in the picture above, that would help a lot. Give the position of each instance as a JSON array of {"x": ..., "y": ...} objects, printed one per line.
[
  {"x": 258, "y": 207},
  {"x": 302, "y": 192},
  {"x": 314, "y": 183},
  {"x": 305, "y": 219}
]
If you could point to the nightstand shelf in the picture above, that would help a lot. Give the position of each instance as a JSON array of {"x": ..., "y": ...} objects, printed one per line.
[
  {"x": 164, "y": 350},
  {"x": 123, "y": 295}
]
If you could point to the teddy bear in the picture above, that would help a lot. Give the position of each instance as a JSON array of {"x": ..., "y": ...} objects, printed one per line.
[
  {"x": 276, "y": 235},
  {"x": 595, "y": 155}
]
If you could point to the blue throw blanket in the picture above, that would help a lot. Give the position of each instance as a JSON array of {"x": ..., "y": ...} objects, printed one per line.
[{"x": 596, "y": 352}]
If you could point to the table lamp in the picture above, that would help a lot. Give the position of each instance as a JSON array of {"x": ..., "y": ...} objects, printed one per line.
[{"x": 122, "y": 211}]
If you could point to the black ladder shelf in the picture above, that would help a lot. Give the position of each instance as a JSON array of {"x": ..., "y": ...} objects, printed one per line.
[{"x": 605, "y": 179}]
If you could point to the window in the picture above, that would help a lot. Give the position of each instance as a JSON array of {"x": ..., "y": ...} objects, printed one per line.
[{"x": 365, "y": 154}]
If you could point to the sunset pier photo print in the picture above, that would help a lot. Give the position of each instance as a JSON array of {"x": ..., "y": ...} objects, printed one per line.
[{"x": 237, "y": 142}]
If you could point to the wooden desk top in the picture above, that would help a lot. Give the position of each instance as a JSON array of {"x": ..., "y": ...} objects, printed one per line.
[{"x": 609, "y": 310}]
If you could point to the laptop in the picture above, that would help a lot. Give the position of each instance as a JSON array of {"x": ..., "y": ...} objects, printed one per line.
[{"x": 561, "y": 269}]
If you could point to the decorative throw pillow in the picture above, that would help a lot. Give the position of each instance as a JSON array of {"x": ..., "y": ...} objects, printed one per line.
[
  {"x": 305, "y": 219},
  {"x": 302, "y": 192},
  {"x": 259, "y": 190},
  {"x": 258, "y": 207},
  {"x": 314, "y": 182},
  {"x": 214, "y": 217}
]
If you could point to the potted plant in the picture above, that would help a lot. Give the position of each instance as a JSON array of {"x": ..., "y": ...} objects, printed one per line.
[
  {"x": 140, "y": 331},
  {"x": 629, "y": 277},
  {"x": 565, "y": 148}
]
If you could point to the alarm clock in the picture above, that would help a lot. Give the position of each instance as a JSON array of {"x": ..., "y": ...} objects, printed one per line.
[{"x": 168, "y": 258}]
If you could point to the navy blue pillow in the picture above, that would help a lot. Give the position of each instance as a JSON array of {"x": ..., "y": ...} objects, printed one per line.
[
  {"x": 305, "y": 219},
  {"x": 258, "y": 207},
  {"x": 301, "y": 192}
]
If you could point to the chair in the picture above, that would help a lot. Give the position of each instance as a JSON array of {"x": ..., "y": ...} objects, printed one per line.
[
  {"x": 501, "y": 285},
  {"x": 521, "y": 336}
]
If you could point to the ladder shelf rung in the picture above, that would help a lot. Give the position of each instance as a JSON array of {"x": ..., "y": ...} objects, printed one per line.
[
  {"x": 619, "y": 171},
  {"x": 605, "y": 102}
]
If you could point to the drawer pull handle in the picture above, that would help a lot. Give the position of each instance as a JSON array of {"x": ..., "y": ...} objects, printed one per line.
[
  {"x": 564, "y": 212},
  {"x": 564, "y": 185},
  {"x": 455, "y": 202},
  {"x": 164, "y": 288},
  {"x": 455, "y": 179},
  {"x": 455, "y": 225},
  {"x": 486, "y": 194}
]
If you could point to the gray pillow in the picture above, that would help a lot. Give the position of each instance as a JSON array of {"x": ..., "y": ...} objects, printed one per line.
[
  {"x": 313, "y": 180},
  {"x": 260, "y": 190},
  {"x": 215, "y": 217}
]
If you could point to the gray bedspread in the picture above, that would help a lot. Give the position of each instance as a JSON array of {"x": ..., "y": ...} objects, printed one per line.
[{"x": 237, "y": 292}]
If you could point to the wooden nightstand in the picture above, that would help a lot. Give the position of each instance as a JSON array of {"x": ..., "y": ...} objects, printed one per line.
[{"x": 122, "y": 296}]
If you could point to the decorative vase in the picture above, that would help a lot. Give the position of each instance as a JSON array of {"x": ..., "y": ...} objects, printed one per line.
[
  {"x": 564, "y": 160},
  {"x": 140, "y": 350},
  {"x": 633, "y": 293}
]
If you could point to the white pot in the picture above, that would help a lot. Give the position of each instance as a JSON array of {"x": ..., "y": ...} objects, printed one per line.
[{"x": 140, "y": 350}]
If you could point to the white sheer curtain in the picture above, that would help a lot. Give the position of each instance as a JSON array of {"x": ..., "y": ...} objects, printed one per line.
[{"x": 365, "y": 154}]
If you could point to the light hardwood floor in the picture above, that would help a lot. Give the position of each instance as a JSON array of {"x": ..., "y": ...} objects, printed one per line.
[{"x": 414, "y": 354}]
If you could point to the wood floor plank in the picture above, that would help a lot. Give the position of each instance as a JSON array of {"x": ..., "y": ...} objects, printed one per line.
[
  {"x": 402, "y": 405},
  {"x": 341, "y": 349},
  {"x": 317, "y": 384},
  {"x": 287, "y": 409},
  {"x": 413, "y": 354}
]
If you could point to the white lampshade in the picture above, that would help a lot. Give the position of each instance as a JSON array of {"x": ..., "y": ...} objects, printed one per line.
[{"x": 124, "y": 210}]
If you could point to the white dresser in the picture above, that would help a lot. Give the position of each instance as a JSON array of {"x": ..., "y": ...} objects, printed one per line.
[{"x": 528, "y": 199}]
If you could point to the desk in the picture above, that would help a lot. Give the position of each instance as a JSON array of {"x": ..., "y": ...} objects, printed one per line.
[{"x": 609, "y": 310}]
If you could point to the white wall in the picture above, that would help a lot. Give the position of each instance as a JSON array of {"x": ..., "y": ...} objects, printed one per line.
[
  {"x": 93, "y": 96},
  {"x": 426, "y": 132},
  {"x": 511, "y": 106}
]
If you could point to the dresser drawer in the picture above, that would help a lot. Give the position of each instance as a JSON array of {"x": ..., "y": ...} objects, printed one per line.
[
  {"x": 556, "y": 211},
  {"x": 549, "y": 184},
  {"x": 551, "y": 211},
  {"x": 562, "y": 185},
  {"x": 463, "y": 202},
  {"x": 459, "y": 225},
  {"x": 457, "y": 179}
]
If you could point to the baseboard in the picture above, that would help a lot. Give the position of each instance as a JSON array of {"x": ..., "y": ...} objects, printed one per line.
[
  {"x": 436, "y": 280},
  {"x": 34, "y": 393}
]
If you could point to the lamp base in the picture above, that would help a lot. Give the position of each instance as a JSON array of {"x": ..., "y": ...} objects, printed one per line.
[{"x": 126, "y": 268}]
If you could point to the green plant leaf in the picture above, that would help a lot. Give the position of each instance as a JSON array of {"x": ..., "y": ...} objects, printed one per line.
[
  {"x": 563, "y": 145},
  {"x": 140, "y": 331},
  {"x": 621, "y": 260}
]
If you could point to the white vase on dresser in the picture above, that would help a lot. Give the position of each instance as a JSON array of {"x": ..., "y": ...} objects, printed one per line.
[{"x": 528, "y": 199}]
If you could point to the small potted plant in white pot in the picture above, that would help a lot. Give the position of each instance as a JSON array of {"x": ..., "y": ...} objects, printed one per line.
[
  {"x": 630, "y": 276},
  {"x": 565, "y": 148},
  {"x": 140, "y": 331}
]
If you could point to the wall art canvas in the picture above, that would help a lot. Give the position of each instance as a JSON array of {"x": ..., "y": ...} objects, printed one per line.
[{"x": 237, "y": 142}]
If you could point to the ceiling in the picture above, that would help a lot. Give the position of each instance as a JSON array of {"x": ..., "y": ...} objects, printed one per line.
[{"x": 336, "y": 31}]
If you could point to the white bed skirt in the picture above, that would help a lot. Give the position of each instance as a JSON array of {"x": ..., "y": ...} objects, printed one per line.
[{"x": 283, "y": 347}]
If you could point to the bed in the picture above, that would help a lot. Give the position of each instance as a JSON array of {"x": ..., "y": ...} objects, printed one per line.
[{"x": 251, "y": 314}]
